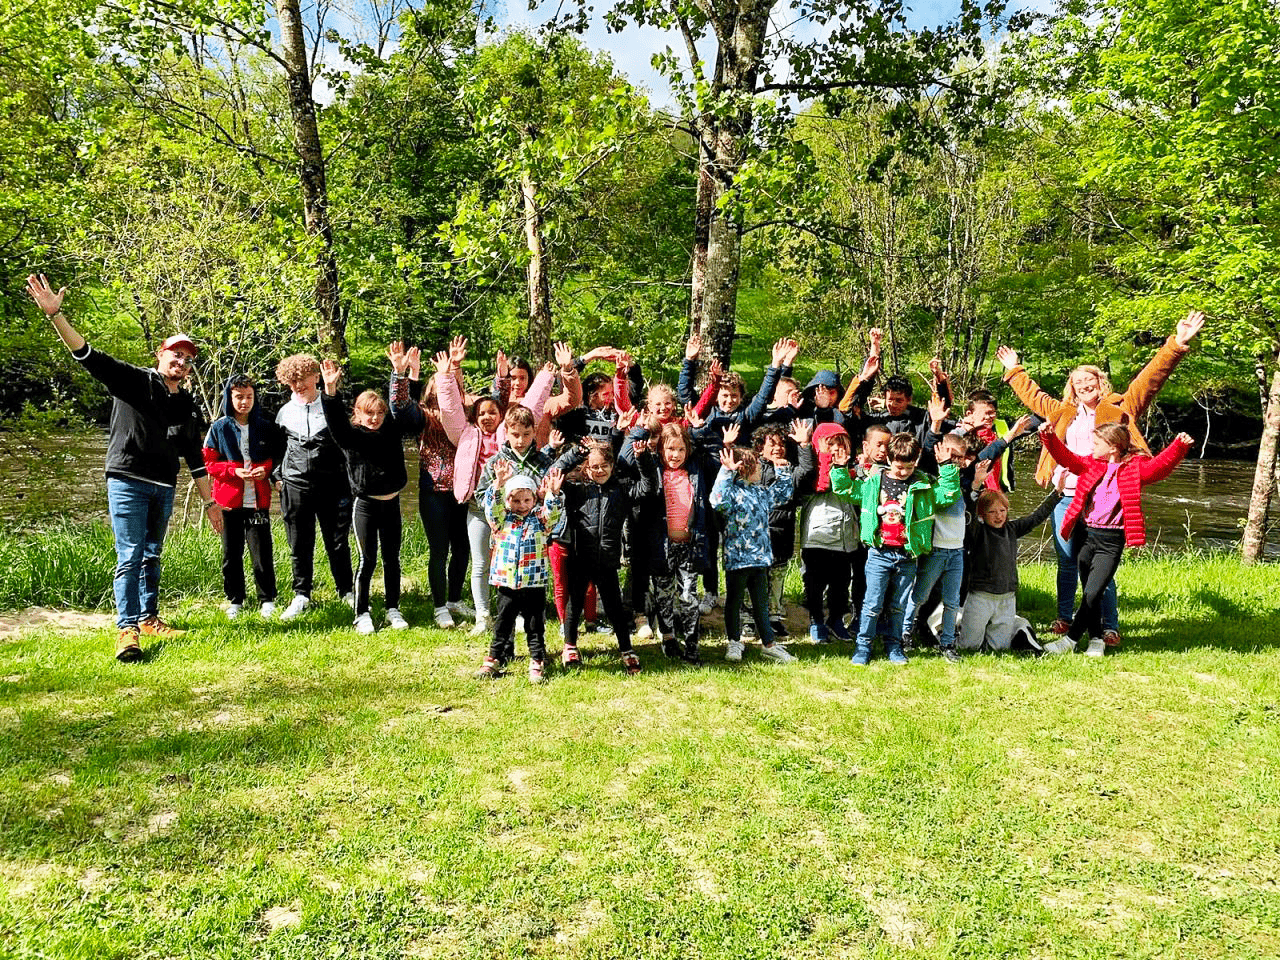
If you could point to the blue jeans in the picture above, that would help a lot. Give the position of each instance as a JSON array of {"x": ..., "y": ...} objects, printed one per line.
[
  {"x": 890, "y": 574},
  {"x": 1069, "y": 571},
  {"x": 945, "y": 564},
  {"x": 139, "y": 518}
]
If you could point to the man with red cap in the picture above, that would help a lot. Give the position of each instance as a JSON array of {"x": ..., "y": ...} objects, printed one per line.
[{"x": 154, "y": 421}]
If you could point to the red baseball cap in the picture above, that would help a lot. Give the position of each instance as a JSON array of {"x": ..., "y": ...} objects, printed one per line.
[{"x": 181, "y": 340}]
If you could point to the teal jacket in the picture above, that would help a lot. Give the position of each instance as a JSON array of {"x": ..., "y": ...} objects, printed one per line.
[{"x": 924, "y": 496}]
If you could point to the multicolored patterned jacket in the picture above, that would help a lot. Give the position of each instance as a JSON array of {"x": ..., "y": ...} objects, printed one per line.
[
  {"x": 520, "y": 543},
  {"x": 746, "y": 508}
]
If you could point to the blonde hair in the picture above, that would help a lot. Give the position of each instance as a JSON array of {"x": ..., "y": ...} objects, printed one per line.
[
  {"x": 370, "y": 402},
  {"x": 1104, "y": 382},
  {"x": 663, "y": 389}
]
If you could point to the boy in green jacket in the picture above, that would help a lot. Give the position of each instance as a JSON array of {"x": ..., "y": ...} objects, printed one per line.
[{"x": 898, "y": 504}]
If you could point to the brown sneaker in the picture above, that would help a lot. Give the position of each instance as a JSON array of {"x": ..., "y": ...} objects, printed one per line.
[
  {"x": 1111, "y": 638},
  {"x": 155, "y": 627},
  {"x": 128, "y": 650},
  {"x": 1059, "y": 626}
]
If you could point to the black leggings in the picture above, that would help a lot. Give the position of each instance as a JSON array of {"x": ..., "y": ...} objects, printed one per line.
[
  {"x": 755, "y": 582},
  {"x": 527, "y": 602},
  {"x": 826, "y": 576},
  {"x": 579, "y": 575},
  {"x": 445, "y": 521},
  {"x": 1098, "y": 561},
  {"x": 374, "y": 520}
]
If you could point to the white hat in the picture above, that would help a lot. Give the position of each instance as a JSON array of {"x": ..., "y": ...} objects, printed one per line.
[{"x": 518, "y": 483}]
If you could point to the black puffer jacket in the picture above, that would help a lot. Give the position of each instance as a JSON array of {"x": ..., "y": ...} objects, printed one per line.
[
  {"x": 782, "y": 521},
  {"x": 595, "y": 515}
]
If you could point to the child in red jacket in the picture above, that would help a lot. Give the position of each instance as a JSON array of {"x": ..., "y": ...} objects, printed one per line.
[
  {"x": 1109, "y": 501},
  {"x": 239, "y": 451}
]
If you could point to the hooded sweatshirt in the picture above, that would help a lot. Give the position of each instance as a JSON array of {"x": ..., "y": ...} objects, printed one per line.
[{"x": 229, "y": 446}]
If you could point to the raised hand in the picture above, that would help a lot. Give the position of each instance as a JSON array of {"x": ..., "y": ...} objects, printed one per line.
[
  {"x": 980, "y": 471},
  {"x": 564, "y": 355},
  {"x": 715, "y": 369},
  {"x": 414, "y": 355},
  {"x": 639, "y": 448},
  {"x": 938, "y": 409},
  {"x": 332, "y": 374},
  {"x": 457, "y": 350},
  {"x": 840, "y": 456},
  {"x": 691, "y": 415},
  {"x": 399, "y": 359},
  {"x": 1188, "y": 327},
  {"x": 1007, "y": 356},
  {"x": 793, "y": 351},
  {"x": 779, "y": 352},
  {"x": 801, "y": 431},
  {"x": 729, "y": 460},
  {"x": 1186, "y": 438},
  {"x": 1020, "y": 426},
  {"x": 552, "y": 482},
  {"x": 935, "y": 367},
  {"x": 693, "y": 347},
  {"x": 731, "y": 433},
  {"x": 43, "y": 294},
  {"x": 877, "y": 338},
  {"x": 503, "y": 365},
  {"x": 555, "y": 438},
  {"x": 443, "y": 363},
  {"x": 502, "y": 472},
  {"x": 629, "y": 419}
]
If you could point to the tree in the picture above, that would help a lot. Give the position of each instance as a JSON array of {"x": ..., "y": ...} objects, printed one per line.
[
  {"x": 739, "y": 95},
  {"x": 1173, "y": 107}
]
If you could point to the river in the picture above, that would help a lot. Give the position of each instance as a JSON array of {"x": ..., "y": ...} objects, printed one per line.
[{"x": 1203, "y": 503}]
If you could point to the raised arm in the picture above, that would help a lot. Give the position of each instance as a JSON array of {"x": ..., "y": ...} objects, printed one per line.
[
  {"x": 1026, "y": 389},
  {"x": 1024, "y": 525},
  {"x": 1152, "y": 377},
  {"x": 1163, "y": 463},
  {"x": 1058, "y": 450},
  {"x": 51, "y": 303}
]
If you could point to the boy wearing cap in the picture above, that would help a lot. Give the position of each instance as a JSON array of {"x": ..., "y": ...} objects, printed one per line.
[
  {"x": 154, "y": 422},
  {"x": 520, "y": 568}
]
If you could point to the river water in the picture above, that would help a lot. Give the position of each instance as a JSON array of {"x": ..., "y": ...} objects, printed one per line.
[{"x": 1202, "y": 504}]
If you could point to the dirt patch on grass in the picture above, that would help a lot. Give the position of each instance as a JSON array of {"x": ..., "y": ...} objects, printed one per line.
[{"x": 43, "y": 618}]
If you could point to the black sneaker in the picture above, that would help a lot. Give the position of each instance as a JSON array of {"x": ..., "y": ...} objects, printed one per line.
[
  {"x": 950, "y": 654},
  {"x": 779, "y": 628}
]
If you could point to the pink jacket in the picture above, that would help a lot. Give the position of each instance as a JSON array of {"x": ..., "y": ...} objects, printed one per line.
[{"x": 467, "y": 463}]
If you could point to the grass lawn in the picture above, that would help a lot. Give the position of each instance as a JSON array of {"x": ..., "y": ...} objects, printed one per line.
[{"x": 256, "y": 789}]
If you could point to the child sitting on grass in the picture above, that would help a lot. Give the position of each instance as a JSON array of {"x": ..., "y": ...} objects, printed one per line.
[
  {"x": 894, "y": 545},
  {"x": 520, "y": 570},
  {"x": 239, "y": 451},
  {"x": 1108, "y": 500},
  {"x": 991, "y": 547},
  {"x": 748, "y": 554}
]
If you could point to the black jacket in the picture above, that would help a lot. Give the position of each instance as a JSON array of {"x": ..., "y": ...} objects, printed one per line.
[
  {"x": 595, "y": 517},
  {"x": 782, "y": 521},
  {"x": 375, "y": 458},
  {"x": 991, "y": 554},
  {"x": 151, "y": 427}
]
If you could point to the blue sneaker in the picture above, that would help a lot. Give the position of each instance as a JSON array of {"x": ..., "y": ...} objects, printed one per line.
[
  {"x": 896, "y": 653},
  {"x": 838, "y": 630},
  {"x": 818, "y": 632},
  {"x": 862, "y": 656}
]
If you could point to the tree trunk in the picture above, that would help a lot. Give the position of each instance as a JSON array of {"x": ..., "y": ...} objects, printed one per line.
[
  {"x": 311, "y": 173},
  {"x": 701, "y": 231},
  {"x": 539, "y": 283},
  {"x": 1264, "y": 477}
]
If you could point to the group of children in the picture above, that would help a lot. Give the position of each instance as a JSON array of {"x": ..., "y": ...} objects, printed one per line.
[{"x": 895, "y": 509}]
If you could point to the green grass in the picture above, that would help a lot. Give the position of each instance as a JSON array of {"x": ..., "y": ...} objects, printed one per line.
[{"x": 259, "y": 789}]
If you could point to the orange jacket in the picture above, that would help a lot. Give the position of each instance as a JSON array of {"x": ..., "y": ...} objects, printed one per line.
[{"x": 1123, "y": 408}]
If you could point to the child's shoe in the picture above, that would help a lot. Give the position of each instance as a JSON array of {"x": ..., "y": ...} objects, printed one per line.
[
  {"x": 838, "y": 631},
  {"x": 153, "y": 626},
  {"x": 1060, "y": 646},
  {"x": 1097, "y": 647},
  {"x": 690, "y": 655},
  {"x": 1111, "y": 638},
  {"x": 818, "y": 632},
  {"x": 862, "y": 656},
  {"x": 267, "y": 610},
  {"x": 896, "y": 654},
  {"x": 570, "y": 656},
  {"x": 733, "y": 652},
  {"x": 233, "y": 610},
  {"x": 396, "y": 620},
  {"x": 480, "y": 629},
  {"x": 491, "y": 669},
  {"x": 128, "y": 650},
  {"x": 295, "y": 607},
  {"x": 670, "y": 649},
  {"x": 1059, "y": 626},
  {"x": 349, "y": 598},
  {"x": 631, "y": 663},
  {"x": 708, "y": 601},
  {"x": 444, "y": 619},
  {"x": 779, "y": 628},
  {"x": 536, "y": 671},
  {"x": 950, "y": 654},
  {"x": 460, "y": 609},
  {"x": 643, "y": 630},
  {"x": 777, "y": 652},
  {"x": 364, "y": 624}
]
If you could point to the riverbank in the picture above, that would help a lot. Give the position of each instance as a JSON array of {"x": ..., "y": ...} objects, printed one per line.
[{"x": 262, "y": 789}]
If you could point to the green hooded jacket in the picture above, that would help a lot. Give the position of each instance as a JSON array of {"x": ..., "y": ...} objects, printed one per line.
[{"x": 924, "y": 496}]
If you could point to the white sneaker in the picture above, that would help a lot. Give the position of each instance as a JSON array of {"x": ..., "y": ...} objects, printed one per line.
[
  {"x": 480, "y": 629},
  {"x": 350, "y": 599},
  {"x": 1097, "y": 647},
  {"x": 268, "y": 609},
  {"x": 734, "y": 652},
  {"x": 1060, "y": 646},
  {"x": 643, "y": 630},
  {"x": 460, "y": 609},
  {"x": 364, "y": 624},
  {"x": 233, "y": 610},
  {"x": 295, "y": 607},
  {"x": 443, "y": 620},
  {"x": 396, "y": 620},
  {"x": 777, "y": 652}
]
